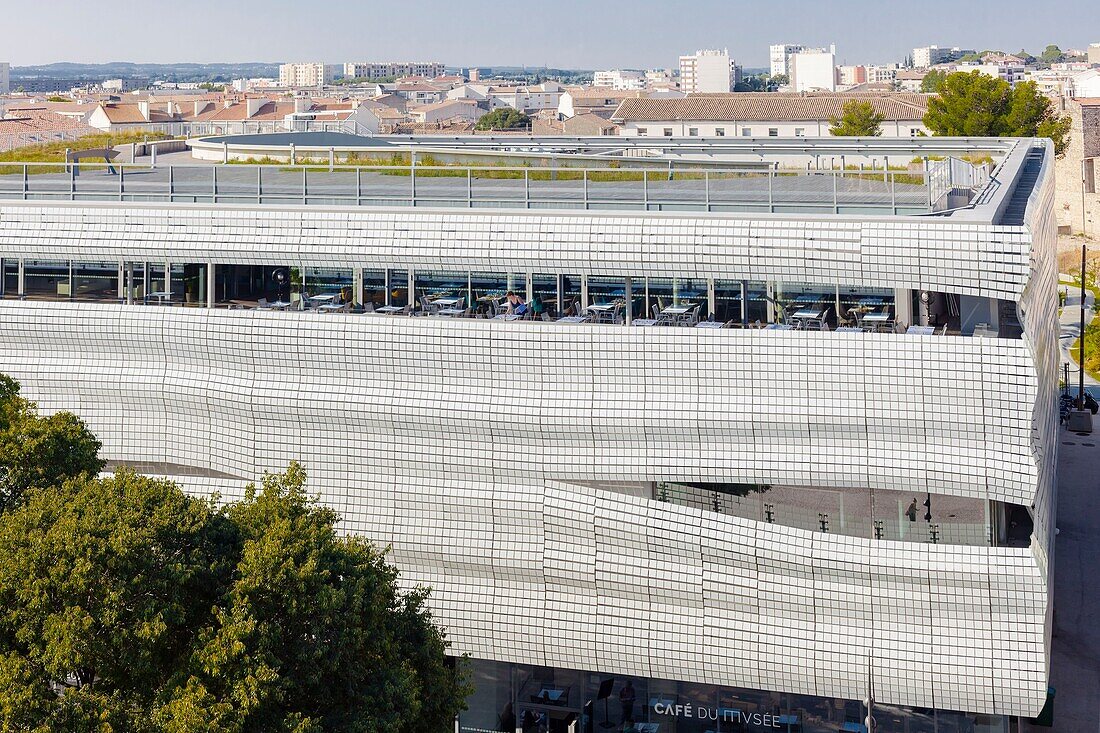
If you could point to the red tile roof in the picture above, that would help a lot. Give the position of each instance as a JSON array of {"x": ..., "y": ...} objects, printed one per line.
[{"x": 767, "y": 106}]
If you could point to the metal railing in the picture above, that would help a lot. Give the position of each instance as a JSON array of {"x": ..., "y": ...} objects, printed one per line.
[
  {"x": 953, "y": 175},
  {"x": 326, "y": 183}
]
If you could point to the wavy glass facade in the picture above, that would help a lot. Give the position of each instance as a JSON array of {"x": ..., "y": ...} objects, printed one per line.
[{"x": 790, "y": 511}]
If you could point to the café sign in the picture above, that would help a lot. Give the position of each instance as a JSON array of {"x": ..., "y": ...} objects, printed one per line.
[{"x": 729, "y": 715}]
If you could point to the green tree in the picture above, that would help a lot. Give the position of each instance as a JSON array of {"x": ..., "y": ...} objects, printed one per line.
[
  {"x": 932, "y": 81},
  {"x": 36, "y": 452},
  {"x": 1052, "y": 54},
  {"x": 979, "y": 105},
  {"x": 154, "y": 611},
  {"x": 504, "y": 118},
  {"x": 857, "y": 119}
]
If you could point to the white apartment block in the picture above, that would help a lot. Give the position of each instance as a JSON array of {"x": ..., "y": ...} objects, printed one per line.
[
  {"x": 707, "y": 71},
  {"x": 1093, "y": 54},
  {"x": 813, "y": 71},
  {"x": 396, "y": 69},
  {"x": 620, "y": 79},
  {"x": 5, "y": 77},
  {"x": 306, "y": 74},
  {"x": 638, "y": 495},
  {"x": 1012, "y": 73},
  {"x": 928, "y": 56},
  {"x": 780, "y": 55}
]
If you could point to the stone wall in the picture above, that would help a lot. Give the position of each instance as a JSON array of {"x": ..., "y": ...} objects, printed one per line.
[{"x": 1084, "y": 142}]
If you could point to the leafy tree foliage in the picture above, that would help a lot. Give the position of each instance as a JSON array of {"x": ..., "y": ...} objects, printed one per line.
[
  {"x": 932, "y": 81},
  {"x": 126, "y": 605},
  {"x": 978, "y": 105},
  {"x": 504, "y": 118},
  {"x": 858, "y": 119},
  {"x": 35, "y": 451},
  {"x": 1052, "y": 54}
]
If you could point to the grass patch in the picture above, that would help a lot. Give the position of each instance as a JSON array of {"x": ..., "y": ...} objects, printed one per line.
[{"x": 54, "y": 151}]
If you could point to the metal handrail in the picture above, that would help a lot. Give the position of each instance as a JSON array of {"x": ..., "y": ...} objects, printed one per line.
[{"x": 319, "y": 184}]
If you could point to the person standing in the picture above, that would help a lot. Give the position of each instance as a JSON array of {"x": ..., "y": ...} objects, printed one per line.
[{"x": 627, "y": 696}]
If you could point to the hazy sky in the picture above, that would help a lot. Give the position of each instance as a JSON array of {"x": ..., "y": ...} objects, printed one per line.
[{"x": 561, "y": 33}]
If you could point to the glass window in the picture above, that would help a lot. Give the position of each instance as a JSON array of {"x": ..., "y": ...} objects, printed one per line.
[
  {"x": 95, "y": 280},
  {"x": 642, "y": 131},
  {"x": 46, "y": 278},
  {"x": 720, "y": 132},
  {"x": 398, "y": 284},
  {"x": 727, "y": 301},
  {"x": 746, "y": 132},
  {"x": 693, "y": 132},
  {"x": 11, "y": 278},
  {"x": 570, "y": 291},
  {"x": 432, "y": 284},
  {"x": 773, "y": 132},
  {"x": 545, "y": 289},
  {"x": 322, "y": 281},
  {"x": 800, "y": 132},
  {"x": 374, "y": 287},
  {"x": 658, "y": 294},
  {"x": 488, "y": 288},
  {"x": 668, "y": 132}
]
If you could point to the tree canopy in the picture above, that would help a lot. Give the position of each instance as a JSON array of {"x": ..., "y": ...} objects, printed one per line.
[
  {"x": 1052, "y": 54},
  {"x": 979, "y": 105},
  {"x": 932, "y": 81},
  {"x": 35, "y": 451},
  {"x": 128, "y": 606},
  {"x": 858, "y": 119},
  {"x": 504, "y": 118}
]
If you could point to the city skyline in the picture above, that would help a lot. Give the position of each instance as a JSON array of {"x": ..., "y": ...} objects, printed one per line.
[{"x": 864, "y": 32}]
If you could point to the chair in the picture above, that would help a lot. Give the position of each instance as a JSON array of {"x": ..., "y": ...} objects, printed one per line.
[
  {"x": 656, "y": 312},
  {"x": 426, "y": 307}
]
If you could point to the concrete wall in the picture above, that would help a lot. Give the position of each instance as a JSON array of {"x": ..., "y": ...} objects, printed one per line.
[{"x": 1084, "y": 142}]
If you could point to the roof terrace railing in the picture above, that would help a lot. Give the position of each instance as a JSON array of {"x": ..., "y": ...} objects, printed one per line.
[{"x": 882, "y": 192}]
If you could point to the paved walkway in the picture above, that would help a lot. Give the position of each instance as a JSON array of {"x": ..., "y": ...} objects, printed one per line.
[
  {"x": 1070, "y": 327},
  {"x": 1075, "y": 653}
]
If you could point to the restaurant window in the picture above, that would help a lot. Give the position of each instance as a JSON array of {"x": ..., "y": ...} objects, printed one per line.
[
  {"x": 46, "y": 278},
  {"x": 95, "y": 280},
  {"x": 545, "y": 289},
  {"x": 397, "y": 284},
  {"x": 10, "y": 283},
  {"x": 374, "y": 288},
  {"x": 570, "y": 290},
  {"x": 727, "y": 300},
  {"x": 433, "y": 284},
  {"x": 322, "y": 282},
  {"x": 488, "y": 288},
  {"x": 658, "y": 295}
]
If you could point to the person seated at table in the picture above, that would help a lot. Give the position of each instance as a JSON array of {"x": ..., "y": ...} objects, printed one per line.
[{"x": 514, "y": 304}]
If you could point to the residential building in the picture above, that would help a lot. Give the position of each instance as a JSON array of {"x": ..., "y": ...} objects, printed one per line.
[
  {"x": 882, "y": 74},
  {"x": 929, "y": 56},
  {"x": 661, "y": 79},
  {"x": 780, "y": 56},
  {"x": 124, "y": 85},
  {"x": 395, "y": 69},
  {"x": 772, "y": 524},
  {"x": 1085, "y": 85},
  {"x": 764, "y": 114},
  {"x": 314, "y": 74},
  {"x": 450, "y": 110},
  {"x": 1012, "y": 74},
  {"x": 5, "y": 77},
  {"x": 813, "y": 71},
  {"x": 910, "y": 80},
  {"x": 849, "y": 76},
  {"x": 708, "y": 71},
  {"x": 619, "y": 79},
  {"x": 1093, "y": 54}
]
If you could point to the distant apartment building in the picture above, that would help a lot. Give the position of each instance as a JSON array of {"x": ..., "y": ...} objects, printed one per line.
[
  {"x": 661, "y": 79},
  {"x": 396, "y": 69},
  {"x": 928, "y": 56},
  {"x": 125, "y": 85},
  {"x": 814, "y": 71},
  {"x": 1012, "y": 73},
  {"x": 619, "y": 79},
  {"x": 1093, "y": 54},
  {"x": 780, "y": 58},
  {"x": 5, "y": 77},
  {"x": 708, "y": 71},
  {"x": 849, "y": 76},
  {"x": 307, "y": 74}
]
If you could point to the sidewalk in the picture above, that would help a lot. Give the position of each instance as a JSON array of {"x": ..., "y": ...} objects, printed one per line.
[{"x": 1069, "y": 327}]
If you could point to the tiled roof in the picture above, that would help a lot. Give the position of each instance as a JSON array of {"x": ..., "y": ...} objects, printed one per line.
[
  {"x": 767, "y": 106},
  {"x": 39, "y": 120}
]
